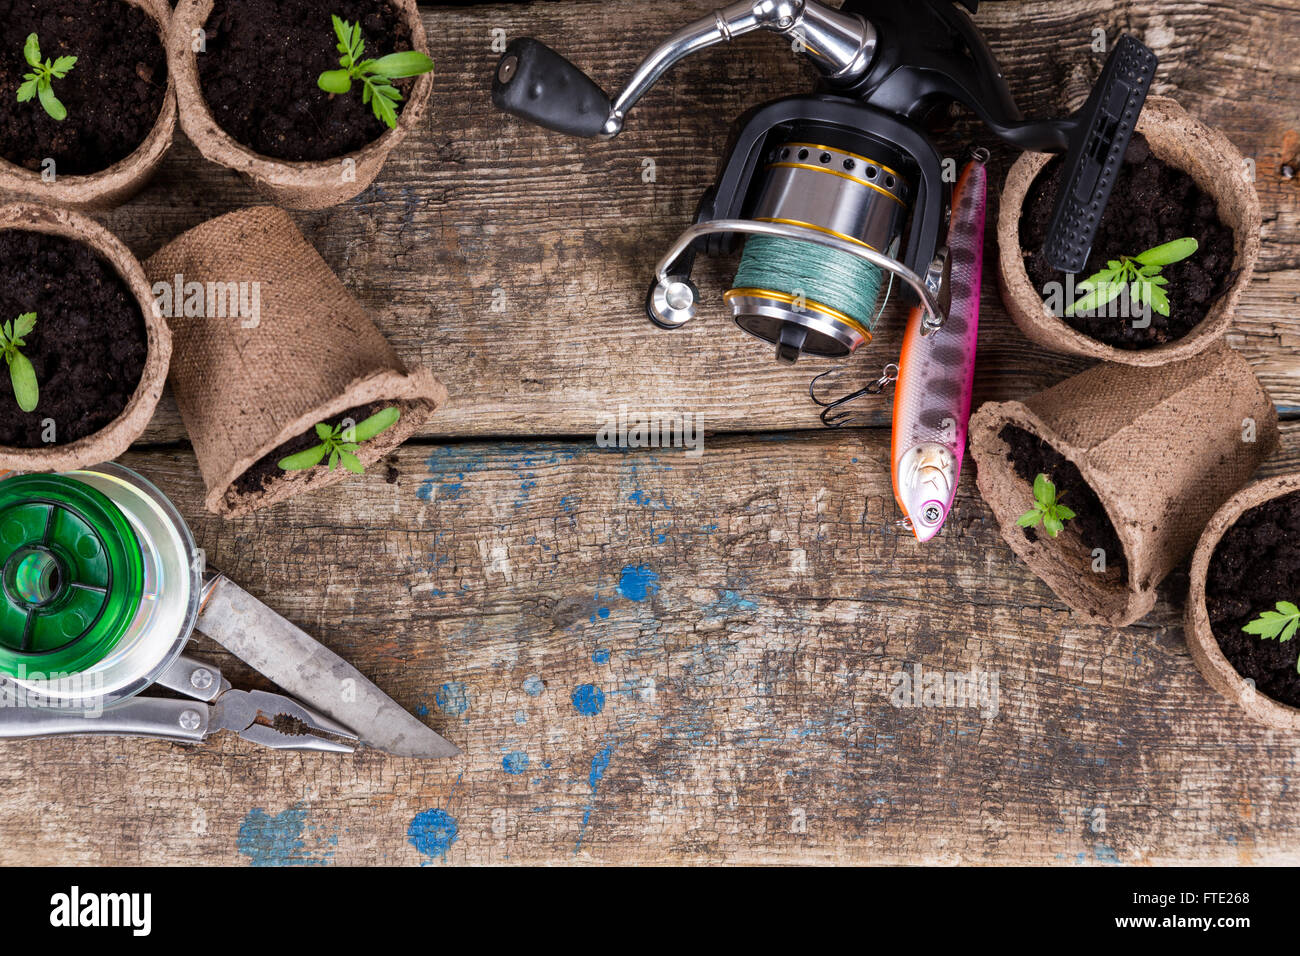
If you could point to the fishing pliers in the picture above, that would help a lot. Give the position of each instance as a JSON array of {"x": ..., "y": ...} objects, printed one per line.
[{"x": 272, "y": 720}]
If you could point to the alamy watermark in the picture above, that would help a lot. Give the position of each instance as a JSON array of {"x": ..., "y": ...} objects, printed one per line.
[
  {"x": 652, "y": 429},
  {"x": 973, "y": 689},
  {"x": 86, "y": 689},
  {"x": 209, "y": 300},
  {"x": 1112, "y": 302}
]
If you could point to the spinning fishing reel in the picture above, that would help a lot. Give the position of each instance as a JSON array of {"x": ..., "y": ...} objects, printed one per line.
[{"x": 839, "y": 193}]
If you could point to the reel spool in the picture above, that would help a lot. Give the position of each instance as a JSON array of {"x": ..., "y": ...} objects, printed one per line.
[
  {"x": 808, "y": 298},
  {"x": 99, "y": 584}
]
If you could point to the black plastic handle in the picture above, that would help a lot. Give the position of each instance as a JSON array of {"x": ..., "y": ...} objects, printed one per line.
[
  {"x": 1102, "y": 129},
  {"x": 534, "y": 82}
]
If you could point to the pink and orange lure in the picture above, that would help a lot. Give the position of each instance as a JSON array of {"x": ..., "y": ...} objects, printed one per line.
[{"x": 935, "y": 373}]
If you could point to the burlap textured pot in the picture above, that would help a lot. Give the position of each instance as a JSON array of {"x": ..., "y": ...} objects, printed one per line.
[
  {"x": 305, "y": 185},
  {"x": 1162, "y": 448},
  {"x": 299, "y": 350},
  {"x": 1201, "y": 641},
  {"x": 116, "y": 437},
  {"x": 118, "y": 183},
  {"x": 1219, "y": 170}
]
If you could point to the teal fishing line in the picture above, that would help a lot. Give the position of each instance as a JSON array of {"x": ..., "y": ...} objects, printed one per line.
[{"x": 836, "y": 279}]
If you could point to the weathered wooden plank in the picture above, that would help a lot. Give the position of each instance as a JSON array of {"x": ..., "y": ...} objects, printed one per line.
[
  {"x": 652, "y": 658},
  {"x": 569, "y": 231}
]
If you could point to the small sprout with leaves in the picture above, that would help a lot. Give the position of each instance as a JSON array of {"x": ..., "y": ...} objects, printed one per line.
[
  {"x": 1280, "y": 625},
  {"x": 1047, "y": 508},
  {"x": 1139, "y": 274},
  {"x": 21, "y": 374},
  {"x": 376, "y": 76},
  {"x": 40, "y": 82},
  {"x": 341, "y": 444}
]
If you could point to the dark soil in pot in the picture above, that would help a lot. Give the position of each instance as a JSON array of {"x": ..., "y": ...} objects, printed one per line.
[
  {"x": 1030, "y": 456},
  {"x": 261, "y": 66},
  {"x": 113, "y": 94},
  {"x": 267, "y": 468},
  {"x": 1152, "y": 203},
  {"x": 1255, "y": 565},
  {"x": 89, "y": 345}
]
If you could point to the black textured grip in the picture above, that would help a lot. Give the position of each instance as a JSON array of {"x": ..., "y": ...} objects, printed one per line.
[
  {"x": 536, "y": 83},
  {"x": 1097, "y": 145}
]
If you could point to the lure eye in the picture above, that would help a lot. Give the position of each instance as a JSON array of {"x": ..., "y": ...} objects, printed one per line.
[{"x": 931, "y": 513}]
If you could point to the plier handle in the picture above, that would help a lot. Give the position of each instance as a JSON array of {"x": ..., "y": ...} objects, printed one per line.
[{"x": 272, "y": 720}]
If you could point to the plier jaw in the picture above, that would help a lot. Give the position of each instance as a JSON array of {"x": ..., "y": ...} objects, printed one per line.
[{"x": 279, "y": 722}]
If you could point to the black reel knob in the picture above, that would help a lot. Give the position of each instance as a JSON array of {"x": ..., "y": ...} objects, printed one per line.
[{"x": 534, "y": 82}]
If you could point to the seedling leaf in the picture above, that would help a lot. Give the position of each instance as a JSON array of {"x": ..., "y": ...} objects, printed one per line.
[
  {"x": 1139, "y": 274},
  {"x": 1280, "y": 624},
  {"x": 22, "y": 376},
  {"x": 39, "y": 83},
  {"x": 1046, "y": 509},
  {"x": 375, "y": 75},
  {"x": 376, "y": 423},
  {"x": 1169, "y": 252},
  {"x": 335, "y": 81},
  {"x": 341, "y": 444},
  {"x": 51, "y": 102},
  {"x": 397, "y": 66},
  {"x": 303, "y": 459}
]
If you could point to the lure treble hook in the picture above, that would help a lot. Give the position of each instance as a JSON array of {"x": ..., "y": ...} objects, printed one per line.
[{"x": 830, "y": 416}]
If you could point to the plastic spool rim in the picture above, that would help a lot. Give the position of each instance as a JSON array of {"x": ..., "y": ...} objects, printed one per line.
[{"x": 168, "y": 611}]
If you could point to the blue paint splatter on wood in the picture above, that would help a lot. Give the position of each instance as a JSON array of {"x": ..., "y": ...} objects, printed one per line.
[
  {"x": 533, "y": 685},
  {"x": 588, "y": 699},
  {"x": 432, "y": 832},
  {"x": 601, "y": 655},
  {"x": 515, "y": 762},
  {"x": 637, "y": 582},
  {"x": 599, "y": 764},
  {"x": 279, "y": 840},
  {"x": 452, "y": 698},
  {"x": 729, "y": 603},
  {"x": 422, "y": 710}
]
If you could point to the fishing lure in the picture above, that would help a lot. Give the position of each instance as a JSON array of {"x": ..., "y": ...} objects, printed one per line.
[{"x": 936, "y": 371}]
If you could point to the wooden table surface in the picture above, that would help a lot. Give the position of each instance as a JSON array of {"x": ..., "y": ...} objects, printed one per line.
[{"x": 649, "y": 657}]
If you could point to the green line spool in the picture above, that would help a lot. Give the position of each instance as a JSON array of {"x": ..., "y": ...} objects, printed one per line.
[
  {"x": 72, "y": 576},
  {"x": 820, "y": 275}
]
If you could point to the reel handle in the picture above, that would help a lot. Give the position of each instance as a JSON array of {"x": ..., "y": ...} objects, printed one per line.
[
  {"x": 534, "y": 82},
  {"x": 1100, "y": 134}
]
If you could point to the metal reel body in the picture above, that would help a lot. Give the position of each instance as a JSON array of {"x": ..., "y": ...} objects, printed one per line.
[
  {"x": 826, "y": 165},
  {"x": 853, "y": 126}
]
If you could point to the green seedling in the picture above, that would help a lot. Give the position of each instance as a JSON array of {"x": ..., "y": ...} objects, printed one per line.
[
  {"x": 1279, "y": 625},
  {"x": 40, "y": 82},
  {"x": 376, "y": 76},
  {"x": 21, "y": 373},
  {"x": 340, "y": 444},
  {"x": 1139, "y": 274},
  {"x": 1047, "y": 508}
]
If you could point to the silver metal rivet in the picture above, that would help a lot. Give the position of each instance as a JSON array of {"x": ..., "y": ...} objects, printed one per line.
[
  {"x": 190, "y": 720},
  {"x": 201, "y": 679}
]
